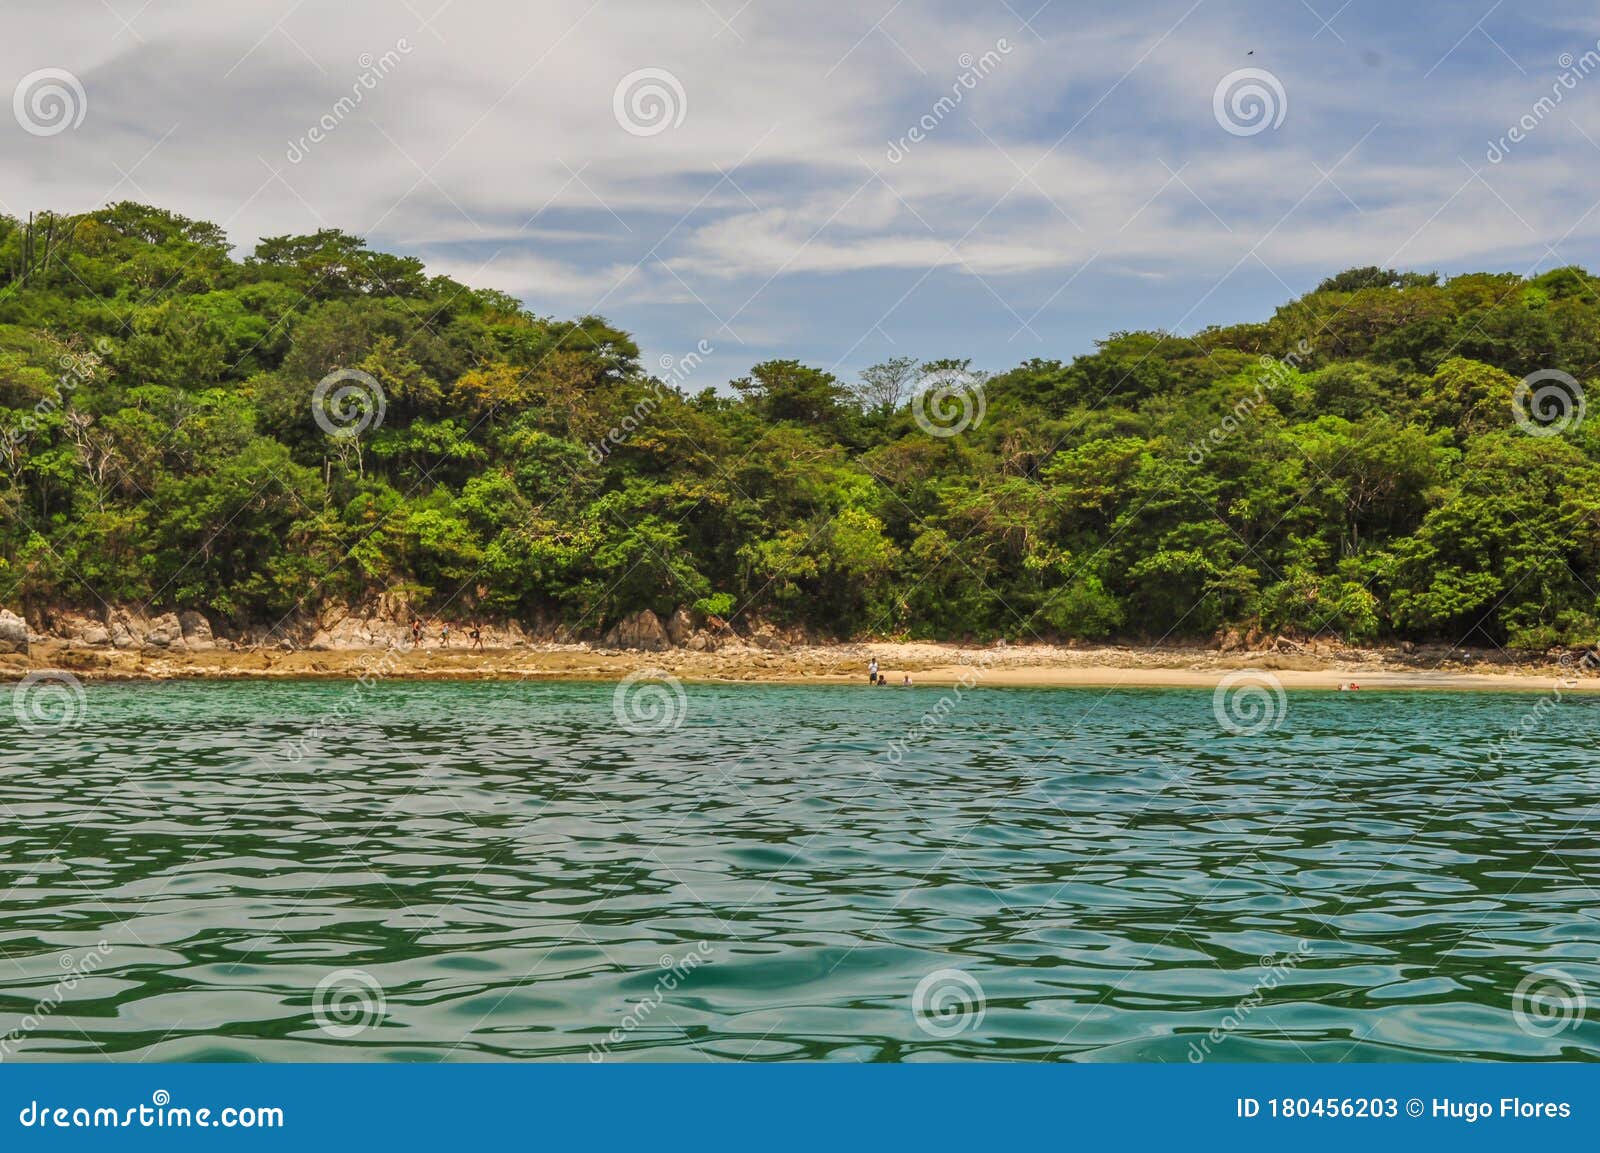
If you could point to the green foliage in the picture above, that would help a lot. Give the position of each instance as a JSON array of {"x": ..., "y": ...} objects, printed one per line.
[
  {"x": 715, "y": 605},
  {"x": 1352, "y": 466},
  {"x": 1355, "y": 279}
]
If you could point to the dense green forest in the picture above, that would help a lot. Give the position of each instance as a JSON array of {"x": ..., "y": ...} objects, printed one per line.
[{"x": 1361, "y": 464}]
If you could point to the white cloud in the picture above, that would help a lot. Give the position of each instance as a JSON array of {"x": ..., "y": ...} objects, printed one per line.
[{"x": 495, "y": 134}]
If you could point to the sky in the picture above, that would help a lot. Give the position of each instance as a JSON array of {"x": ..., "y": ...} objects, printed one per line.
[{"x": 836, "y": 182}]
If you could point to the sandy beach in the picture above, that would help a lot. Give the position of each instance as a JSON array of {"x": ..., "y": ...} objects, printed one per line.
[{"x": 1327, "y": 667}]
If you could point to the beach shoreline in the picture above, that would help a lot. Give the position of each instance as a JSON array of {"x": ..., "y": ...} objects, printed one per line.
[{"x": 926, "y": 663}]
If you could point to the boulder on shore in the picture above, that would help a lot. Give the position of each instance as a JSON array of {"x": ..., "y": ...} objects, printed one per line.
[
  {"x": 764, "y": 634},
  {"x": 126, "y": 632},
  {"x": 165, "y": 632},
  {"x": 196, "y": 631},
  {"x": 642, "y": 630},
  {"x": 13, "y": 632},
  {"x": 81, "y": 632},
  {"x": 680, "y": 626}
]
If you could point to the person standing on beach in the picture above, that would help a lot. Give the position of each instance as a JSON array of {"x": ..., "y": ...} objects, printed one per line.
[
  {"x": 477, "y": 637},
  {"x": 444, "y": 635},
  {"x": 416, "y": 633},
  {"x": 872, "y": 671}
]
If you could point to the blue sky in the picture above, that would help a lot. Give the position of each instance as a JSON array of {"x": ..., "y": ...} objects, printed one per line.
[{"x": 1084, "y": 183}]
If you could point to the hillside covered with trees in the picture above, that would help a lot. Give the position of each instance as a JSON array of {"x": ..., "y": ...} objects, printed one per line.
[{"x": 1362, "y": 464}]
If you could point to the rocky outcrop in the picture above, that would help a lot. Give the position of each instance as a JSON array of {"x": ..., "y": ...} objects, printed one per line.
[
  {"x": 681, "y": 627},
  {"x": 122, "y": 628},
  {"x": 164, "y": 632},
  {"x": 1255, "y": 639},
  {"x": 80, "y": 632},
  {"x": 340, "y": 629},
  {"x": 13, "y": 632},
  {"x": 127, "y": 632},
  {"x": 387, "y": 624},
  {"x": 701, "y": 633},
  {"x": 643, "y": 630},
  {"x": 765, "y": 635},
  {"x": 197, "y": 634}
]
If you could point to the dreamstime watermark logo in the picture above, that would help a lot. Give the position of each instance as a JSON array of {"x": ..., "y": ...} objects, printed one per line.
[
  {"x": 649, "y": 701},
  {"x": 947, "y": 1003},
  {"x": 949, "y": 402},
  {"x": 373, "y": 70},
  {"x": 77, "y": 968},
  {"x": 648, "y": 101},
  {"x": 48, "y": 700},
  {"x": 934, "y": 717},
  {"x": 1545, "y": 705},
  {"x": 369, "y": 672},
  {"x": 1249, "y": 101},
  {"x": 347, "y": 1002},
  {"x": 49, "y": 101},
  {"x": 347, "y": 402},
  {"x": 675, "y": 371},
  {"x": 1274, "y": 374},
  {"x": 1547, "y": 1002},
  {"x": 1548, "y": 403},
  {"x": 1274, "y": 970},
  {"x": 156, "y": 1115},
  {"x": 76, "y": 368},
  {"x": 1249, "y": 702},
  {"x": 675, "y": 971},
  {"x": 1573, "y": 69},
  {"x": 973, "y": 69}
]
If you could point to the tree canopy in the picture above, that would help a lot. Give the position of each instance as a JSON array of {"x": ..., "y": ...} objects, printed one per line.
[{"x": 320, "y": 422}]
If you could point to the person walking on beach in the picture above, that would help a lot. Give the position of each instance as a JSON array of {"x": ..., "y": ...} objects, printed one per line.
[
  {"x": 444, "y": 635},
  {"x": 477, "y": 637},
  {"x": 416, "y": 633},
  {"x": 872, "y": 671}
]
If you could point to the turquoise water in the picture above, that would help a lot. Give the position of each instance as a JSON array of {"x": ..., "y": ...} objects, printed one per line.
[{"x": 321, "y": 871}]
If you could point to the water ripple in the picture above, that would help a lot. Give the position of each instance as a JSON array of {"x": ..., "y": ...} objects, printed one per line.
[{"x": 470, "y": 872}]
